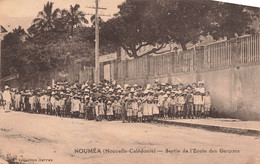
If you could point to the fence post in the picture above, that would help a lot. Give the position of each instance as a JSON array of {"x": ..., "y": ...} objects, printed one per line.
[{"x": 235, "y": 51}]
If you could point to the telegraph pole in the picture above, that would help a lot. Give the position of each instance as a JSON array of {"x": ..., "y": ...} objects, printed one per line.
[
  {"x": 3, "y": 32},
  {"x": 97, "y": 69}
]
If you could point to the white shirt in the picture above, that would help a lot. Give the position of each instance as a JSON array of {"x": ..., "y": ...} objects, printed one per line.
[{"x": 7, "y": 95}]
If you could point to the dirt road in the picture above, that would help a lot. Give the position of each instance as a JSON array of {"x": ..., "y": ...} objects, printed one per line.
[{"x": 31, "y": 138}]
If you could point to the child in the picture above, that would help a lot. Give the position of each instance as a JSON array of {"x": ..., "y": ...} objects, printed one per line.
[
  {"x": 101, "y": 109},
  {"x": 150, "y": 109},
  {"x": 82, "y": 107},
  {"x": 197, "y": 103},
  {"x": 207, "y": 104},
  {"x": 62, "y": 105},
  {"x": 75, "y": 106},
  {"x": 145, "y": 110},
  {"x": 165, "y": 107},
  {"x": 109, "y": 111},
  {"x": 181, "y": 103},
  {"x": 171, "y": 105},
  {"x": 140, "y": 112},
  {"x": 117, "y": 108},
  {"x": 189, "y": 104},
  {"x": 155, "y": 109},
  {"x": 129, "y": 110},
  {"x": 135, "y": 109}
]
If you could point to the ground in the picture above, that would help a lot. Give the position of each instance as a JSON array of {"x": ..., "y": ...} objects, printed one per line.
[{"x": 48, "y": 139}]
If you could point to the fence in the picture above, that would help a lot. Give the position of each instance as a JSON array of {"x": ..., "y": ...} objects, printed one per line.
[{"x": 223, "y": 54}]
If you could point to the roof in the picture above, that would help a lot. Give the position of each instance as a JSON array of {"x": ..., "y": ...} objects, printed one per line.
[{"x": 3, "y": 30}]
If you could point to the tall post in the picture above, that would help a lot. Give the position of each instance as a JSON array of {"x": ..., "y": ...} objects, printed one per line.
[
  {"x": 0, "y": 59},
  {"x": 97, "y": 71},
  {"x": 3, "y": 32}
]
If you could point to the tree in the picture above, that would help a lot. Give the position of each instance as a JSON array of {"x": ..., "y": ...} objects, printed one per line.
[
  {"x": 151, "y": 22},
  {"x": 74, "y": 18},
  {"x": 134, "y": 27},
  {"x": 46, "y": 19},
  {"x": 13, "y": 58}
]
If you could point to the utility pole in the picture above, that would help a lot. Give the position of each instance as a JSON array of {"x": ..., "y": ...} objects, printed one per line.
[
  {"x": 97, "y": 69},
  {"x": 3, "y": 32}
]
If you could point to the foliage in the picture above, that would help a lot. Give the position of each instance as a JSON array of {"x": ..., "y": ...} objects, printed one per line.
[
  {"x": 73, "y": 18},
  {"x": 46, "y": 20},
  {"x": 151, "y": 22}
]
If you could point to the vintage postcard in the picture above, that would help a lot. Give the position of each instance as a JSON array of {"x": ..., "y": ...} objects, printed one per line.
[{"x": 129, "y": 81}]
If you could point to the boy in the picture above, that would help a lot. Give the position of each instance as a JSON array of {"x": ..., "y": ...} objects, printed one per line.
[
  {"x": 207, "y": 104},
  {"x": 155, "y": 109},
  {"x": 109, "y": 111},
  {"x": 140, "y": 112}
]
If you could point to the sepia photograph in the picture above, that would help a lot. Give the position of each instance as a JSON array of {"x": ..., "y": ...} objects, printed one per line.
[{"x": 129, "y": 81}]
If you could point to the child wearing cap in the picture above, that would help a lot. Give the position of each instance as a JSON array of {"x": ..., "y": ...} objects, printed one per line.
[{"x": 207, "y": 104}]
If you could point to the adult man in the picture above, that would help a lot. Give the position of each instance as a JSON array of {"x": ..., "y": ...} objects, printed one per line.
[{"x": 7, "y": 98}]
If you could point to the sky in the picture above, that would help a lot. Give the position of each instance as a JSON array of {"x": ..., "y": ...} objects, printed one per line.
[{"x": 22, "y": 12}]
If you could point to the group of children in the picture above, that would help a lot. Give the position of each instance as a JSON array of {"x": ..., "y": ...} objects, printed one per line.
[{"x": 113, "y": 102}]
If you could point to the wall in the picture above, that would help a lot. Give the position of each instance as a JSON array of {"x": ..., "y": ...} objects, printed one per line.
[{"x": 230, "y": 70}]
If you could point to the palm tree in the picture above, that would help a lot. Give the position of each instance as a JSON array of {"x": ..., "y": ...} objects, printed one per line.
[
  {"x": 45, "y": 20},
  {"x": 74, "y": 17}
]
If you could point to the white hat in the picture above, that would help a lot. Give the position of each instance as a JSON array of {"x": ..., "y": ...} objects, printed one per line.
[
  {"x": 126, "y": 85},
  {"x": 200, "y": 82}
]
